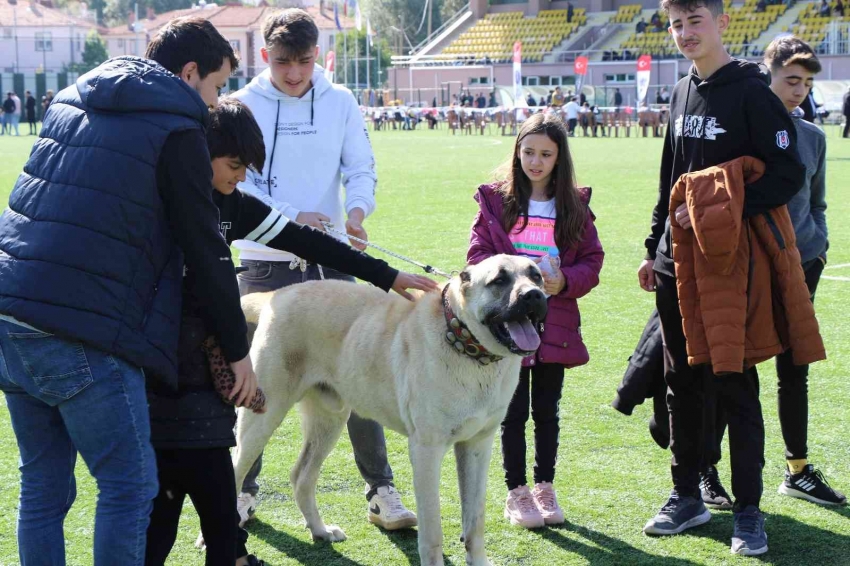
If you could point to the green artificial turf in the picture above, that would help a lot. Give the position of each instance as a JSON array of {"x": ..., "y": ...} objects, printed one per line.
[{"x": 611, "y": 477}]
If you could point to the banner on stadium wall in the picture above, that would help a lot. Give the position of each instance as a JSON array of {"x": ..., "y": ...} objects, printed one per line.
[
  {"x": 580, "y": 71},
  {"x": 330, "y": 59},
  {"x": 644, "y": 69},
  {"x": 519, "y": 99}
]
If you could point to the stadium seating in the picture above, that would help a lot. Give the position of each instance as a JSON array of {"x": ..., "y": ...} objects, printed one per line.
[
  {"x": 493, "y": 36},
  {"x": 626, "y": 14},
  {"x": 745, "y": 26},
  {"x": 812, "y": 27}
]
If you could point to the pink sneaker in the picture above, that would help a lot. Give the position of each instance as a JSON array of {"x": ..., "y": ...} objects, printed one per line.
[
  {"x": 547, "y": 502},
  {"x": 521, "y": 510}
]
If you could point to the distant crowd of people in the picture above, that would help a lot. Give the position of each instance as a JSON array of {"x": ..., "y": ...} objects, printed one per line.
[
  {"x": 13, "y": 109},
  {"x": 656, "y": 24},
  {"x": 826, "y": 9}
]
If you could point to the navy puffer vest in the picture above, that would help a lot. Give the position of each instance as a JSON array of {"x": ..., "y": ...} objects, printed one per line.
[{"x": 85, "y": 249}]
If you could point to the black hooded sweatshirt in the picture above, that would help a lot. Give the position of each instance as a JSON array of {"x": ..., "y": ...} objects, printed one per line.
[{"x": 731, "y": 114}]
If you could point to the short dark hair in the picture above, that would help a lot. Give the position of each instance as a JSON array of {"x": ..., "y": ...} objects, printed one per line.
[
  {"x": 191, "y": 39},
  {"x": 292, "y": 30},
  {"x": 233, "y": 132},
  {"x": 713, "y": 6},
  {"x": 790, "y": 50}
]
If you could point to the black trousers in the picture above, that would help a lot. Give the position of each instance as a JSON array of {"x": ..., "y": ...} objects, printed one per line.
[
  {"x": 206, "y": 476},
  {"x": 792, "y": 397},
  {"x": 544, "y": 383},
  {"x": 691, "y": 391},
  {"x": 846, "y": 127}
]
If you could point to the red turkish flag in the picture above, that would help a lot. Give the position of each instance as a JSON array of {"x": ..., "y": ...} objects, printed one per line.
[
  {"x": 644, "y": 63},
  {"x": 581, "y": 66},
  {"x": 330, "y": 59},
  {"x": 517, "y": 52}
]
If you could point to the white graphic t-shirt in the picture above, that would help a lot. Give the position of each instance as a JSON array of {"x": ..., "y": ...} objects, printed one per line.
[{"x": 539, "y": 234}]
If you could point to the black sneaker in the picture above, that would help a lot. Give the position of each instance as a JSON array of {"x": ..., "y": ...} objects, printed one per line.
[
  {"x": 749, "y": 538},
  {"x": 811, "y": 486},
  {"x": 677, "y": 515},
  {"x": 713, "y": 493}
]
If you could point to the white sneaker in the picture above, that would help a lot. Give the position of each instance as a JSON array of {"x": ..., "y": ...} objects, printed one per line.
[
  {"x": 246, "y": 505},
  {"x": 386, "y": 510}
]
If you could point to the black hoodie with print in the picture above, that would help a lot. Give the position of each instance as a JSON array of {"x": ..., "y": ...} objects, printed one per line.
[{"x": 731, "y": 114}]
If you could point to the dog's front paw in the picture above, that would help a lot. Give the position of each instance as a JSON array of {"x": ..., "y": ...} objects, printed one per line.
[
  {"x": 478, "y": 561},
  {"x": 330, "y": 533},
  {"x": 201, "y": 544}
]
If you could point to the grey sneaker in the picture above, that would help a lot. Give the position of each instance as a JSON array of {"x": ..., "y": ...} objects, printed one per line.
[
  {"x": 749, "y": 538},
  {"x": 677, "y": 515}
]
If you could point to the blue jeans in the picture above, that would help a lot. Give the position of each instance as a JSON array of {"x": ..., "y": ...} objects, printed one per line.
[
  {"x": 64, "y": 398},
  {"x": 367, "y": 436}
]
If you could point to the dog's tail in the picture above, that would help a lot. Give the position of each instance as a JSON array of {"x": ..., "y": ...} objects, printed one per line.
[{"x": 252, "y": 306}]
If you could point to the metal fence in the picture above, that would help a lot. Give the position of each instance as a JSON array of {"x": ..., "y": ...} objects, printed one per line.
[{"x": 837, "y": 42}]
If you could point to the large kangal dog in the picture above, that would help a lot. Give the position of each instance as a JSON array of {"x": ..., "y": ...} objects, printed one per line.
[{"x": 440, "y": 370}]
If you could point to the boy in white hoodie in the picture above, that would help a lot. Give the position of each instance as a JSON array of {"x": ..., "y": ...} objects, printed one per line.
[{"x": 316, "y": 142}]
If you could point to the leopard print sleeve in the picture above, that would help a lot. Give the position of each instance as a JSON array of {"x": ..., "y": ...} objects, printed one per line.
[{"x": 224, "y": 379}]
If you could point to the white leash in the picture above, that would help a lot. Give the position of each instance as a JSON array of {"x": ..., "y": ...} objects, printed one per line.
[{"x": 297, "y": 262}]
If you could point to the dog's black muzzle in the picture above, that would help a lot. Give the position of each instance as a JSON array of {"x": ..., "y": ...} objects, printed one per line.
[{"x": 533, "y": 303}]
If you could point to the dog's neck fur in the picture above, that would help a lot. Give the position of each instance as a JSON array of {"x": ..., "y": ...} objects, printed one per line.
[{"x": 460, "y": 337}]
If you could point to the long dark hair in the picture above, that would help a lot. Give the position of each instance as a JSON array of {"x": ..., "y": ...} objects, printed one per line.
[{"x": 516, "y": 190}]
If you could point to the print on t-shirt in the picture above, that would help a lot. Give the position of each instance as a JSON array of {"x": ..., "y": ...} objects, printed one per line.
[{"x": 539, "y": 234}]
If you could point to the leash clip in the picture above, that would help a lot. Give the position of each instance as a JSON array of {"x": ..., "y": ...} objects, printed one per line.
[{"x": 298, "y": 262}]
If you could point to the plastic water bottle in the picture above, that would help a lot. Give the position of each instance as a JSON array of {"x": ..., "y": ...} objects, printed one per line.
[{"x": 551, "y": 262}]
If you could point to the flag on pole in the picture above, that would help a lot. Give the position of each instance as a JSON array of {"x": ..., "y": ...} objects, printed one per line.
[
  {"x": 336, "y": 17},
  {"x": 369, "y": 32},
  {"x": 518, "y": 98},
  {"x": 580, "y": 71},
  {"x": 358, "y": 18},
  {"x": 644, "y": 69}
]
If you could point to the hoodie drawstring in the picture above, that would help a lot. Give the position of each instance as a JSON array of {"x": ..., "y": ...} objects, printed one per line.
[
  {"x": 704, "y": 117},
  {"x": 312, "y": 99},
  {"x": 685, "y": 118},
  {"x": 274, "y": 145}
]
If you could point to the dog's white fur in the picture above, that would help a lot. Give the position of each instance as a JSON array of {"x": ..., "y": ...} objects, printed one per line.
[{"x": 333, "y": 346}]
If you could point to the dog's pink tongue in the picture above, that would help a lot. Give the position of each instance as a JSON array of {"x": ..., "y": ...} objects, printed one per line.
[{"x": 524, "y": 335}]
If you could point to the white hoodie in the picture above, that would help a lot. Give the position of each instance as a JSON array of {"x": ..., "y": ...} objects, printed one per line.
[{"x": 320, "y": 141}]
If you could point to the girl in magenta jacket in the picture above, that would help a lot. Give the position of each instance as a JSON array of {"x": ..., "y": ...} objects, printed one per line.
[{"x": 535, "y": 207}]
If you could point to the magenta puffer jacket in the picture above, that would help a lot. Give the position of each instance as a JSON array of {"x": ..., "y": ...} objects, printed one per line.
[{"x": 561, "y": 342}]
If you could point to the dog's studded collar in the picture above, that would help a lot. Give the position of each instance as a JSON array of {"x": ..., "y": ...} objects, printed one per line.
[{"x": 461, "y": 339}]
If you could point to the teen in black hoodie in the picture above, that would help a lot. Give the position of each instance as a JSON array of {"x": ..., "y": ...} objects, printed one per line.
[
  {"x": 730, "y": 114},
  {"x": 721, "y": 114}
]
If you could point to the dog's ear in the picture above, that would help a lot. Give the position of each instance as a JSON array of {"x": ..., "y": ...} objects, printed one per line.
[{"x": 465, "y": 277}]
